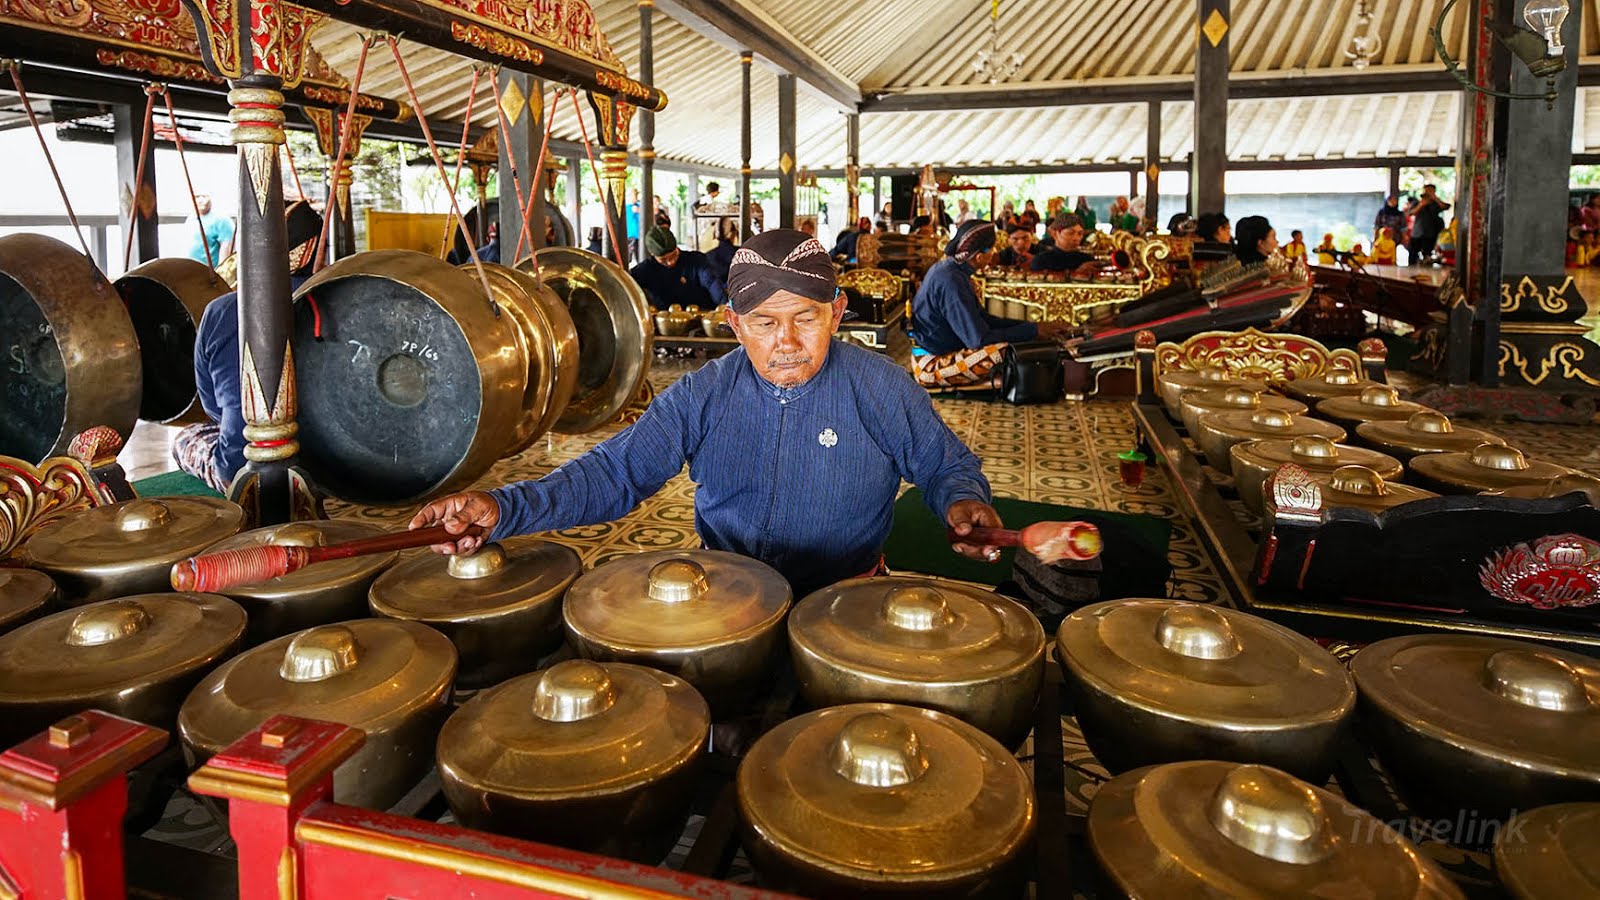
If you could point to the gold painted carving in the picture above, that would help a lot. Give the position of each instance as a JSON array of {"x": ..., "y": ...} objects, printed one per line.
[
  {"x": 622, "y": 84},
  {"x": 1552, "y": 299},
  {"x": 1073, "y": 301},
  {"x": 1293, "y": 494},
  {"x": 288, "y": 878},
  {"x": 879, "y": 283},
  {"x": 1283, "y": 356},
  {"x": 31, "y": 496},
  {"x": 496, "y": 42},
  {"x": 1565, "y": 354},
  {"x": 260, "y": 160},
  {"x": 164, "y": 67},
  {"x": 215, "y": 23}
]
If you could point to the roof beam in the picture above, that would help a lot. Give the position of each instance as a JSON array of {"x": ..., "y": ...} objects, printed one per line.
[
  {"x": 1242, "y": 165},
  {"x": 1387, "y": 80},
  {"x": 741, "y": 26}
]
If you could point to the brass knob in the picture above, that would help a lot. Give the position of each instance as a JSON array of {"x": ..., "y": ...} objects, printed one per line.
[
  {"x": 1272, "y": 419},
  {"x": 573, "y": 690},
  {"x": 1358, "y": 480},
  {"x": 1497, "y": 456},
  {"x": 1241, "y": 397},
  {"x": 878, "y": 750},
  {"x": 1430, "y": 422},
  {"x": 677, "y": 580},
  {"x": 1536, "y": 679},
  {"x": 1380, "y": 395},
  {"x": 1197, "y": 631},
  {"x": 143, "y": 515},
  {"x": 916, "y": 607},
  {"x": 320, "y": 653},
  {"x": 1341, "y": 376},
  {"x": 1271, "y": 814},
  {"x": 1314, "y": 448},
  {"x": 298, "y": 534},
  {"x": 489, "y": 559},
  {"x": 1216, "y": 374},
  {"x": 103, "y": 623}
]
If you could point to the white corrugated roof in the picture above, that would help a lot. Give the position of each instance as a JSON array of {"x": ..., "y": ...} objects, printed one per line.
[{"x": 898, "y": 44}]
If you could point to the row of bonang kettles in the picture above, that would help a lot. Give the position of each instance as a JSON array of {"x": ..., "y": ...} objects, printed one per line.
[
  {"x": 411, "y": 381},
  {"x": 1220, "y": 727}
]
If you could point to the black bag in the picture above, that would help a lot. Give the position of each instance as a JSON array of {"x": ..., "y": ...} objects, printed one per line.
[{"x": 1032, "y": 373}]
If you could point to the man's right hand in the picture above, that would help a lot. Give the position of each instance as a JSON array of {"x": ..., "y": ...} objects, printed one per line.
[
  {"x": 456, "y": 513},
  {"x": 1054, "y": 330}
]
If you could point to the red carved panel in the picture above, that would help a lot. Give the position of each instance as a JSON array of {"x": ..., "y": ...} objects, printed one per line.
[{"x": 1554, "y": 572}]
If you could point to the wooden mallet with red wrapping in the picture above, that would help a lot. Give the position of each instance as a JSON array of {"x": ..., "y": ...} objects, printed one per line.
[
  {"x": 1052, "y": 542},
  {"x": 212, "y": 572}
]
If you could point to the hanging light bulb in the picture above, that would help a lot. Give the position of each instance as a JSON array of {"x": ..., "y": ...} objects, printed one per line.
[
  {"x": 1546, "y": 17},
  {"x": 1365, "y": 45}
]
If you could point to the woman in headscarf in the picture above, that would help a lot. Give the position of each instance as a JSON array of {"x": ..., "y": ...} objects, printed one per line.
[
  {"x": 1254, "y": 240},
  {"x": 1085, "y": 213}
]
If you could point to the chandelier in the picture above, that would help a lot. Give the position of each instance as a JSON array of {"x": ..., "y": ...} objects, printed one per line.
[
  {"x": 1364, "y": 46},
  {"x": 992, "y": 64}
]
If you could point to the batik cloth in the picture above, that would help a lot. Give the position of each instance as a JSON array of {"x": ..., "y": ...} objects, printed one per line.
[
  {"x": 194, "y": 450},
  {"x": 959, "y": 369}
]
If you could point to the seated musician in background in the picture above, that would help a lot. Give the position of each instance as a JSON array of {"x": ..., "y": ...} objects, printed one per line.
[
  {"x": 1327, "y": 253},
  {"x": 1296, "y": 248},
  {"x": 1384, "y": 249},
  {"x": 844, "y": 249},
  {"x": 1064, "y": 253},
  {"x": 1019, "y": 250},
  {"x": 797, "y": 442},
  {"x": 957, "y": 342},
  {"x": 1213, "y": 228},
  {"x": 721, "y": 256},
  {"x": 214, "y": 451},
  {"x": 676, "y": 277},
  {"x": 922, "y": 226},
  {"x": 490, "y": 251},
  {"x": 1256, "y": 240}
]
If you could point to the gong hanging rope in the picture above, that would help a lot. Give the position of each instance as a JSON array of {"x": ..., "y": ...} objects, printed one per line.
[
  {"x": 611, "y": 227},
  {"x": 15, "y": 68},
  {"x": 511, "y": 158},
  {"x": 438, "y": 161},
  {"x": 319, "y": 258},
  {"x": 294, "y": 170},
  {"x": 150, "y": 91},
  {"x": 537, "y": 193},
  {"x": 461, "y": 157},
  {"x": 177, "y": 141}
]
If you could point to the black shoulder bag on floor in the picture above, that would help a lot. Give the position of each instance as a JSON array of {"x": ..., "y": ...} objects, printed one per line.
[{"x": 1032, "y": 373}]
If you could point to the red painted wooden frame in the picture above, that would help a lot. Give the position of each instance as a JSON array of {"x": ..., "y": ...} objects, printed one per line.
[
  {"x": 294, "y": 842},
  {"x": 62, "y": 797}
]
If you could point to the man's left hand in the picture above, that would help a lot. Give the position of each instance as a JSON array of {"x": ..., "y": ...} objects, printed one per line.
[{"x": 965, "y": 515}]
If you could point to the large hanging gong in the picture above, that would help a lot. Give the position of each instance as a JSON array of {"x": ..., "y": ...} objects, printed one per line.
[
  {"x": 558, "y": 230},
  {"x": 614, "y": 327},
  {"x": 165, "y": 299},
  {"x": 70, "y": 355},
  {"x": 407, "y": 390}
]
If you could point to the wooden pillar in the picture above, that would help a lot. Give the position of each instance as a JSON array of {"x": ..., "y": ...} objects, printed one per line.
[
  {"x": 745, "y": 59},
  {"x": 128, "y": 127},
  {"x": 647, "y": 123},
  {"x": 787, "y": 164},
  {"x": 852, "y": 167},
  {"x": 1208, "y": 166},
  {"x": 340, "y": 179},
  {"x": 1152, "y": 164},
  {"x": 575, "y": 200},
  {"x": 1394, "y": 183},
  {"x": 877, "y": 196},
  {"x": 522, "y": 97},
  {"x": 1530, "y": 156},
  {"x": 265, "y": 487}
]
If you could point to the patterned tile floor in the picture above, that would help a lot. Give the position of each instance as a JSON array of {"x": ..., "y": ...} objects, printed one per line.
[{"x": 1059, "y": 453}]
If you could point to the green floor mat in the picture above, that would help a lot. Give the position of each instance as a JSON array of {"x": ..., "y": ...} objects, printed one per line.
[
  {"x": 173, "y": 484},
  {"x": 1135, "y": 545}
]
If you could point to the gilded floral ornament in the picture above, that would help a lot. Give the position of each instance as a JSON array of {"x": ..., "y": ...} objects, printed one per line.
[
  {"x": 31, "y": 496},
  {"x": 1283, "y": 356}
]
